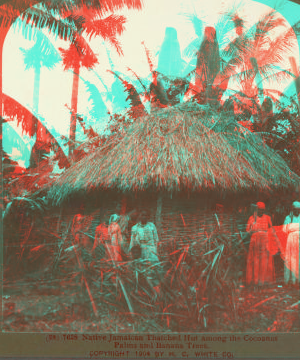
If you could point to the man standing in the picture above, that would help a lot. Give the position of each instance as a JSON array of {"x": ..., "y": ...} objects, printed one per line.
[{"x": 144, "y": 234}]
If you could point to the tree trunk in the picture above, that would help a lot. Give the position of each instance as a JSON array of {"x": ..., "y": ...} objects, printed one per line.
[
  {"x": 35, "y": 127},
  {"x": 258, "y": 80},
  {"x": 74, "y": 102},
  {"x": 158, "y": 213},
  {"x": 36, "y": 98},
  {"x": 123, "y": 205},
  {"x": 36, "y": 88}
]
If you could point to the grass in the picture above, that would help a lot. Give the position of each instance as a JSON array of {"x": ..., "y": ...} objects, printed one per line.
[{"x": 196, "y": 287}]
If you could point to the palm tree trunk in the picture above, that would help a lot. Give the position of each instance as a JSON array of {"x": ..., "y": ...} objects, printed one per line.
[
  {"x": 257, "y": 78},
  {"x": 35, "y": 128},
  {"x": 36, "y": 88},
  {"x": 123, "y": 205},
  {"x": 36, "y": 95},
  {"x": 297, "y": 79},
  {"x": 158, "y": 213},
  {"x": 3, "y": 32},
  {"x": 74, "y": 102}
]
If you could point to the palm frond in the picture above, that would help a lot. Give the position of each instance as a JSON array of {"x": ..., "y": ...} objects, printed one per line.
[
  {"x": 14, "y": 110},
  {"x": 279, "y": 48},
  {"x": 98, "y": 108},
  {"x": 102, "y": 6},
  {"x": 36, "y": 19},
  {"x": 269, "y": 72},
  {"x": 223, "y": 26},
  {"x": 42, "y": 52},
  {"x": 78, "y": 54},
  {"x": 7, "y": 16},
  {"x": 196, "y": 22},
  {"x": 137, "y": 108},
  {"x": 138, "y": 78},
  {"x": 192, "y": 48},
  {"x": 149, "y": 57},
  {"x": 239, "y": 47},
  {"x": 102, "y": 82},
  {"x": 266, "y": 24},
  {"x": 107, "y": 27},
  {"x": 79, "y": 21}
]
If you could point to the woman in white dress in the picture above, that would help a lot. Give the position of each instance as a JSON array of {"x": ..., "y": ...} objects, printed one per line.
[
  {"x": 291, "y": 227},
  {"x": 144, "y": 234}
]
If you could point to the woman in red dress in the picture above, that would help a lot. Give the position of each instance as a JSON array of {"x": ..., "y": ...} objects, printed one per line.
[
  {"x": 115, "y": 236},
  {"x": 260, "y": 267}
]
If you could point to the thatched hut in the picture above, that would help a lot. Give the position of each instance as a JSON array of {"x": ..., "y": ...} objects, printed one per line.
[{"x": 182, "y": 170}]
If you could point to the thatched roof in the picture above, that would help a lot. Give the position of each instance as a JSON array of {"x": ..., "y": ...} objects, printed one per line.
[{"x": 171, "y": 150}]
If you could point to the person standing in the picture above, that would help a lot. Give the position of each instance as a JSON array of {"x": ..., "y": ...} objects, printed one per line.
[
  {"x": 82, "y": 242},
  {"x": 125, "y": 222},
  {"x": 101, "y": 238},
  {"x": 291, "y": 228},
  {"x": 79, "y": 228},
  {"x": 82, "y": 247},
  {"x": 260, "y": 267},
  {"x": 101, "y": 235},
  {"x": 144, "y": 234},
  {"x": 115, "y": 236}
]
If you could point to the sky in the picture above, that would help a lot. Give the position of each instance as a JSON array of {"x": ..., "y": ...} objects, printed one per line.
[{"x": 147, "y": 25}]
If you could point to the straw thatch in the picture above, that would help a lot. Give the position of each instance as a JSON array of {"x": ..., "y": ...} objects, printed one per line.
[{"x": 171, "y": 150}]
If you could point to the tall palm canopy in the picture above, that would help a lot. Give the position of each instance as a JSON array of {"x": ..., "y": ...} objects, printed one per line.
[
  {"x": 42, "y": 53},
  {"x": 169, "y": 60},
  {"x": 208, "y": 62}
]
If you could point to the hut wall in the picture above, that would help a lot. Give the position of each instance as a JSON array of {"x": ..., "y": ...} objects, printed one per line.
[
  {"x": 190, "y": 221},
  {"x": 183, "y": 220}
]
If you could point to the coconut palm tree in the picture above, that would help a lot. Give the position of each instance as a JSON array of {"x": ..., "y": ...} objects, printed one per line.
[
  {"x": 254, "y": 56},
  {"x": 79, "y": 54},
  {"x": 41, "y": 54}
]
